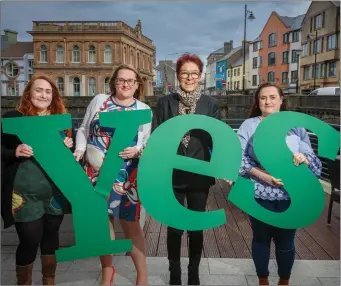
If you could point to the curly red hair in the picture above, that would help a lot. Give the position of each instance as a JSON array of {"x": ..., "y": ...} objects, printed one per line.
[{"x": 57, "y": 106}]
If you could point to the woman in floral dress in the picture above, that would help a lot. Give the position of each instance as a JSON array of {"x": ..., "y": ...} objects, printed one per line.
[{"x": 123, "y": 202}]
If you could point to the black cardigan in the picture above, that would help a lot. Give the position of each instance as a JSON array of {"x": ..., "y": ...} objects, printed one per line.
[
  {"x": 9, "y": 167},
  {"x": 200, "y": 142}
]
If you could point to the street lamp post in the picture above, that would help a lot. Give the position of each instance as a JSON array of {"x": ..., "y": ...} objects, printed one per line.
[
  {"x": 315, "y": 52},
  {"x": 298, "y": 53},
  {"x": 250, "y": 18}
]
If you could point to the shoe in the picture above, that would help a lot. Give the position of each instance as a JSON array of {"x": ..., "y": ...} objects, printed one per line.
[
  {"x": 24, "y": 274},
  {"x": 48, "y": 269},
  {"x": 174, "y": 272},
  {"x": 193, "y": 275},
  {"x": 112, "y": 275},
  {"x": 263, "y": 280},
  {"x": 283, "y": 281}
]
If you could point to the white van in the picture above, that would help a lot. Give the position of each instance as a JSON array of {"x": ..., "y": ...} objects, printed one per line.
[{"x": 326, "y": 91}]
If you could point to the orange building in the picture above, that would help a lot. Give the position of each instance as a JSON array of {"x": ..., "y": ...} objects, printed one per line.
[{"x": 276, "y": 54}]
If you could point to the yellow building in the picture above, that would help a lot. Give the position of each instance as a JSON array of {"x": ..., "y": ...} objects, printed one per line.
[
  {"x": 235, "y": 74},
  {"x": 320, "y": 46}
]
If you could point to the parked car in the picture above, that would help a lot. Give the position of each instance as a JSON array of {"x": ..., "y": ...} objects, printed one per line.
[{"x": 326, "y": 91}]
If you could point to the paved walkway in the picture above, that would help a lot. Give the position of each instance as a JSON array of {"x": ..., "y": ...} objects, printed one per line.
[{"x": 214, "y": 271}]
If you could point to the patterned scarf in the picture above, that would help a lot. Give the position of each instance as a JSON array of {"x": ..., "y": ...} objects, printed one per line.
[{"x": 188, "y": 101}]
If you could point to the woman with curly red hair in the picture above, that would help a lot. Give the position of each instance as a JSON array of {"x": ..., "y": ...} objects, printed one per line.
[{"x": 29, "y": 199}]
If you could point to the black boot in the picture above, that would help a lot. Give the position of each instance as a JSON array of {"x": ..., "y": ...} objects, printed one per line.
[
  {"x": 193, "y": 274},
  {"x": 196, "y": 240},
  {"x": 175, "y": 272}
]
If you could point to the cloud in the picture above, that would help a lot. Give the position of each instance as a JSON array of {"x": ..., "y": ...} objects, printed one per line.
[{"x": 197, "y": 27}]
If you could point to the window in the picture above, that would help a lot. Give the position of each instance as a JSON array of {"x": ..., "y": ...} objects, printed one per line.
[
  {"x": 13, "y": 91},
  {"x": 228, "y": 73},
  {"x": 75, "y": 54},
  {"x": 285, "y": 38},
  {"x": 260, "y": 44},
  {"x": 304, "y": 50},
  {"x": 124, "y": 55},
  {"x": 234, "y": 72},
  {"x": 60, "y": 54},
  {"x": 323, "y": 70},
  {"x": 254, "y": 80},
  {"x": 138, "y": 60},
  {"x": 143, "y": 62},
  {"x": 106, "y": 86},
  {"x": 238, "y": 72},
  {"x": 92, "y": 87},
  {"x": 12, "y": 69},
  {"x": 60, "y": 85},
  {"x": 306, "y": 72},
  {"x": 76, "y": 87},
  {"x": 272, "y": 40},
  {"x": 30, "y": 63},
  {"x": 285, "y": 59},
  {"x": 271, "y": 76},
  {"x": 332, "y": 42},
  {"x": 316, "y": 46},
  {"x": 107, "y": 55},
  {"x": 260, "y": 61},
  {"x": 294, "y": 77},
  {"x": 255, "y": 46},
  {"x": 295, "y": 36},
  {"x": 285, "y": 79},
  {"x": 92, "y": 54},
  {"x": 260, "y": 78},
  {"x": 318, "y": 22},
  {"x": 43, "y": 54},
  {"x": 271, "y": 59},
  {"x": 294, "y": 56},
  {"x": 254, "y": 62},
  {"x": 332, "y": 69},
  {"x": 131, "y": 57},
  {"x": 315, "y": 71}
]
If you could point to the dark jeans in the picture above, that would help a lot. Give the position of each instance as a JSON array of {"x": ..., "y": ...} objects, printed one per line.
[
  {"x": 196, "y": 200},
  {"x": 43, "y": 232},
  {"x": 283, "y": 239}
]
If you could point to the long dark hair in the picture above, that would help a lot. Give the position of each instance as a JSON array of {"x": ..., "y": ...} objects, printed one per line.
[{"x": 255, "y": 110}]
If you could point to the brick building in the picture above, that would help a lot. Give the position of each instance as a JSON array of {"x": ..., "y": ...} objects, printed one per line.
[{"x": 80, "y": 56}]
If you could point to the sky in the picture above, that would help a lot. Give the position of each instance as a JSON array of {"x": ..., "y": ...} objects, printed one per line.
[{"x": 173, "y": 26}]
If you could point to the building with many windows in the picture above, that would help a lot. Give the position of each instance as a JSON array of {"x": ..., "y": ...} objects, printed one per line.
[
  {"x": 16, "y": 64},
  {"x": 80, "y": 56},
  {"x": 274, "y": 54},
  {"x": 320, "y": 46}
]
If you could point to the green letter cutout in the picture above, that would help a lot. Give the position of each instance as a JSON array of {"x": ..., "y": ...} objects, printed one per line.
[
  {"x": 89, "y": 207},
  {"x": 306, "y": 193},
  {"x": 155, "y": 180}
]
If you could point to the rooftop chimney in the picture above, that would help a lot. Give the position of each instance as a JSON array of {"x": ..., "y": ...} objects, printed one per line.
[
  {"x": 10, "y": 37},
  {"x": 228, "y": 46}
]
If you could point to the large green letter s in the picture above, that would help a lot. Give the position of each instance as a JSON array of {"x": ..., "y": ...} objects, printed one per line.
[
  {"x": 306, "y": 193},
  {"x": 160, "y": 158}
]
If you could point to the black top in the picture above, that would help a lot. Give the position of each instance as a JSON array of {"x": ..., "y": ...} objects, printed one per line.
[
  {"x": 200, "y": 143},
  {"x": 9, "y": 167}
]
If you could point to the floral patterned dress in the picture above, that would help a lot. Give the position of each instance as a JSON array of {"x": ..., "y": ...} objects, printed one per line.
[{"x": 123, "y": 200}]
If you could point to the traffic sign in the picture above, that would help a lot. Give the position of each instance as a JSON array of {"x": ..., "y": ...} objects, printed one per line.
[
  {"x": 169, "y": 85},
  {"x": 224, "y": 83}
]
